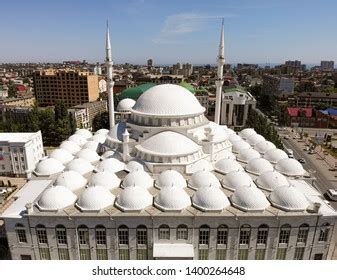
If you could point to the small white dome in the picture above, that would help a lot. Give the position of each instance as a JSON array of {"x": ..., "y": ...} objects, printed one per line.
[
  {"x": 95, "y": 198},
  {"x": 125, "y": 105},
  {"x": 106, "y": 179},
  {"x": 61, "y": 155},
  {"x": 102, "y": 131},
  {"x": 134, "y": 165},
  {"x": 88, "y": 155},
  {"x": 80, "y": 165},
  {"x": 172, "y": 199},
  {"x": 288, "y": 198},
  {"x": 236, "y": 179},
  {"x": 100, "y": 138},
  {"x": 78, "y": 139},
  {"x": 134, "y": 198},
  {"x": 246, "y": 155},
  {"x": 225, "y": 166},
  {"x": 240, "y": 145},
  {"x": 264, "y": 146},
  {"x": 203, "y": 178},
  {"x": 257, "y": 166},
  {"x": 234, "y": 138},
  {"x": 202, "y": 164},
  {"x": 83, "y": 132},
  {"x": 71, "y": 180},
  {"x": 55, "y": 198},
  {"x": 48, "y": 166},
  {"x": 290, "y": 167},
  {"x": 210, "y": 199},
  {"x": 245, "y": 133},
  {"x": 224, "y": 154},
  {"x": 249, "y": 199},
  {"x": 138, "y": 178},
  {"x": 229, "y": 131},
  {"x": 70, "y": 146},
  {"x": 254, "y": 139},
  {"x": 110, "y": 164},
  {"x": 170, "y": 178},
  {"x": 111, "y": 154},
  {"x": 270, "y": 180},
  {"x": 274, "y": 155},
  {"x": 92, "y": 145}
]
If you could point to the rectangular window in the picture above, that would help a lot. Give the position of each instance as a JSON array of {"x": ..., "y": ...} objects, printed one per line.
[
  {"x": 85, "y": 254},
  {"x": 302, "y": 235},
  {"x": 61, "y": 236},
  {"x": 83, "y": 236},
  {"x": 44, "y": 254},
  {"x": 323, "y": 235},
  {"x": 100, "y": 236},
  {"x": 260, "y": 254},
  {"x": 284, "y": 236},
  {"x": 25, "y": 257},
  {"x": 244, "y": 236},
  {"x": 299, "y": 253},
  {"x": 222, "y": 237},
  {"x": 182, "y": 233},
  {"x": 123, "y": 236},
  {"x": 142, "y": 254},
  {"x": 63, "y": 254},
  {"x": 318, "y": 257},
  {"x": 142, "y": 236},
  {"x": 221, "y": 254},
  {"x": 21, "y": 234},
  {"x": 41, "y": 236},
  {"x": 102, "y": 254},
  {"x": 164, "y": 233},
  {"x": 204, "y": 236},
  {"x": 203, "y": 254},
  {"x": 124, "y": 254},
  {"x": 243, "y": 254},
  {"x": 262, "y": 236}
]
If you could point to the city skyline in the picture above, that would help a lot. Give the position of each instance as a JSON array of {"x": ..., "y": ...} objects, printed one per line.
[{"x": 266, "y": 32}]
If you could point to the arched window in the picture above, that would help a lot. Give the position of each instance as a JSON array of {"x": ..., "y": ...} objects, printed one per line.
[
  {"x": 324, "y": 233},
  {"x": 182, "y": 232},
  {"x": 61, "y": 235},
  {"x": 284, "y": 234},
  {"x": 262, "y": 234},
  {"x": 222, "y": 235},
  {"x": 141, "y": 235},
  {"x": 164, "y": 232},
  {"x": 123, "y": 235},
  {"x": 204, "y": 235},
  {"x": 303, "y": 231},
  {"x": 245, "y": 235},
  {"x": 41, "y": 234},
  {"x": 21, "y": 233},
  {"x": 83, "y": 235},
  {"x": 100, "y": 232}
]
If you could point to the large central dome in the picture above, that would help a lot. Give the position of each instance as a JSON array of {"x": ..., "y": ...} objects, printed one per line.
[{"x": 167, "y": 100}]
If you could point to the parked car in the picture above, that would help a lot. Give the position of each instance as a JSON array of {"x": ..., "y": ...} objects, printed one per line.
[
  {"x": 332, "y": 194},
  {"x": 301, "y": 160}
]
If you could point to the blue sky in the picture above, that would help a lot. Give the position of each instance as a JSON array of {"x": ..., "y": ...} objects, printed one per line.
[{"x": 260, "y": 31}]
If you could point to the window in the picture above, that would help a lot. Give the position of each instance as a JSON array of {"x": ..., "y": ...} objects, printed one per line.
[
  {"x": 260, "y": 254},
  {"x": 204, "y": 235},
  {"x": 299, "y": 252},
  {"x": 124, "y": 254},
  {"x": 243, "y": 254},
  {"x": 123, "y": 235},
  {"x": 85, "y": 254},
  {"x": 63, "y": 254},
  {"x": 41, "y": 234},
  {"x": 164, "y": 232},
  {"x": 83, "y": 235},
  {"x": 182, "y": 232},
  {"x": 262, "y": 234},
  {"x": 44, "y": 253},
  {"x": 141, "y": 235},
  {"x": 244, "y": 235},
  {"x": 61, "y": 235},
  {"x": 303, "y": 233},
  {"x": 100, "y": 235},
  {"x": 25, "y": 257},
  {"x": 281, "y": 253},
  {"x": 203, "y": 254},
  {"x": 284, "y": 234},
  {"x": 222, "y": 235},
  {"x": 21, "y": 233},
  {"x": 102, "y": 254},
  {"x": 142, "y": 254},
  {"x": 318, "y": 257},
  {"x": 324, "y": 233},
  {"x": 220, "y": 254}
]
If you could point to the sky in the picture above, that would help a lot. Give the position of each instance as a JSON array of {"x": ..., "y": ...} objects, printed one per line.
[{"x": 168, "y": 31}]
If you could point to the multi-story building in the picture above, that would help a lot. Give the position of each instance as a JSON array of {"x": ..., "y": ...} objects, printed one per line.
[
  {"x": 327, "y": 65},
  {"x": 275, "y": 85},
  {"x": 19, "y": 153},
  {"x": 185, "y": 69},
  {"x": 70, "y": 86},
  {"x": 150, "y": 63}
]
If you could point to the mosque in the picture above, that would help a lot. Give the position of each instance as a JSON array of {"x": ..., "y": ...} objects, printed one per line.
[{"x": 169, "y": 184}]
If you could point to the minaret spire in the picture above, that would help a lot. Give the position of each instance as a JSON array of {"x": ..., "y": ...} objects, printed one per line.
[
  {"x": 219, "y": 81},
  {"x": 110, "y": 82}
]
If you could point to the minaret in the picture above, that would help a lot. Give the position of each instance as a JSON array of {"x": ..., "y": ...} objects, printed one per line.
[
  {"x": 219, "y": 81},
  {"x": 110, "y": 82}
]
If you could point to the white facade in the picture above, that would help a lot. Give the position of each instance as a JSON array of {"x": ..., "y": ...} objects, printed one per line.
[{"x": 20, "y": 153}]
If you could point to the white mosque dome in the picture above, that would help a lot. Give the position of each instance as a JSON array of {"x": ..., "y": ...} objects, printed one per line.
[
  {"x": 288, "y": 198},
  {"x": 61, "y": 155},
  {"x": 111, "y": 165},
  {"x": 203, "y": 178},
  {"x": 290, "y": 167},
  {"x": 257, "y": 166},
  {"x": 249, "y": 199},
  {"x": 274, "y": 155},
  {"x": 106, "y": 179},
  {"x": 88, "y": 155},
  {"x": 102, "y": 131},
  {"x": 236, "y": 179},
  {"x": 111, "y": 154},
  {"x": 56, "y": 198},
  {"x": 83, "y": 132},
  {"x": 210, "y": 199},
  {"x": 245, "y": 133},
  {"x": 125, "y": 105},
  {"x": 100, "y": 138},
  {"x": 70, "y": 146},
  {"x": 224, "y": 154},
  {"x": 246, "y": 155},
  {"x": 78, "y": 139},
  {"x": 202, "y": 164},
  {"x": 134, "y": 165},
  {"x": 169, "y": 178},
  {"x": 172, "y": 199},
  {"x": 229, "y": 131},
  {"x": 80, "y": 165},
  {"x": 138, "y": 178},
  {"x": 264, "y": 146},
  {"x": 270, "y": 180},
  {"x": 240, "y": 145},
  {"x": 71, "y": 180},
  {"x": 134, "y": 198},
  {"x": 48, "y": 166},
  {"x": 234, "y": 138},
  {"x": 95, "y": 198},
  {"x": 226, "y": 165},
  {"x": 254, "y": 139},
  {"x": 167, "y": 100},
  {"x": 92, "y": 145}
]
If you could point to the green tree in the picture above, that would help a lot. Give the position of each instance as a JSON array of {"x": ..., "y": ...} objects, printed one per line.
[{"x": 101, "y": 121}]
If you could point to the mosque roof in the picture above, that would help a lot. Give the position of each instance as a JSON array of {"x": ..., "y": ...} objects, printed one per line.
[{"x": 135, "y": 92}]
